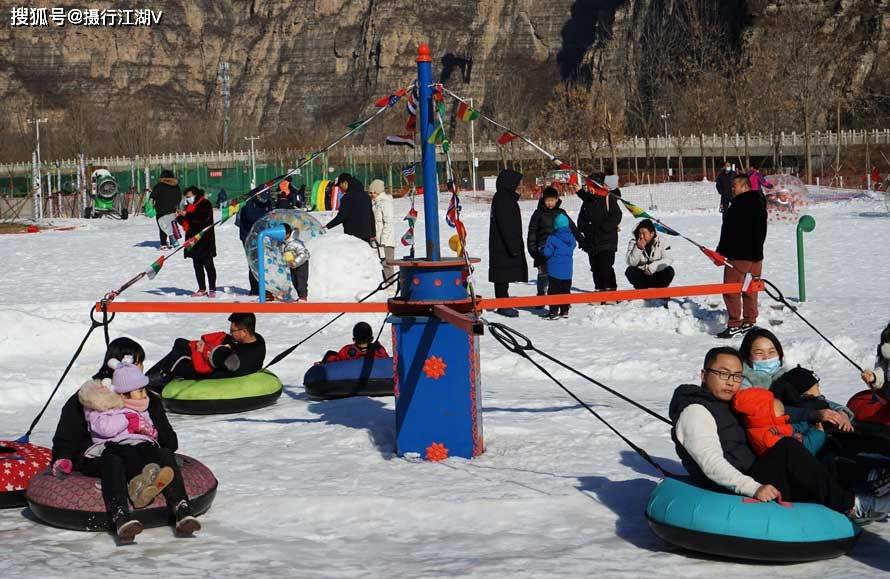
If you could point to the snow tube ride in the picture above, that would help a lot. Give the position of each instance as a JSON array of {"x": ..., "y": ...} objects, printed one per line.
[
  {"x": 19, "y": 462},
  {"x": 868, "y": 406},
  {"x": 733, "y": 526},
  {"x": 75, "y": 500},
  {"x": 366, "y": 377},
  {"x": 222, "y": 395}
]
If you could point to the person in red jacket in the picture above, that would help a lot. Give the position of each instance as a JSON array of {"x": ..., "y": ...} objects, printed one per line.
[
  {"x": 197, "y": 215},
  {"x": 239, "y": 352},
  {"x": 766, "y": 423},
  {"x": 363, "y": 346}
]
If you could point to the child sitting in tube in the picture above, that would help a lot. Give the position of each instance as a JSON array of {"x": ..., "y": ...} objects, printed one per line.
[{"x": 363, "y": 346}]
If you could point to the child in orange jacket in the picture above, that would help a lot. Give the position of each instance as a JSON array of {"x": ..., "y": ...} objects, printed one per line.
[{"x": 766, "y": 423}]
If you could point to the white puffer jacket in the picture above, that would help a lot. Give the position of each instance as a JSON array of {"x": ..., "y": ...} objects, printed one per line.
[
  {"x": 383, "y": 219},
  {"x": 655, "y": 257}
]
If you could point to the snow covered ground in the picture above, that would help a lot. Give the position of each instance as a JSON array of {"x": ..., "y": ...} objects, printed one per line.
[{"x": 315, "y": 488}]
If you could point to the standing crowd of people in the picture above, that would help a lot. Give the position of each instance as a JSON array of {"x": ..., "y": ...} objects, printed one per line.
[{"x": 552, "y": 237}]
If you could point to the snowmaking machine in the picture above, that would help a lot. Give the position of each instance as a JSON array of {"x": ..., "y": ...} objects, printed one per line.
[{"x": 104, "y": 194}]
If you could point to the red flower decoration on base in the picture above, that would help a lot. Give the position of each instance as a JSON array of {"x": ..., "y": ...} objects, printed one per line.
[
  {"x": 436, "y": 452},
  {"x": 434, "y": 367}
]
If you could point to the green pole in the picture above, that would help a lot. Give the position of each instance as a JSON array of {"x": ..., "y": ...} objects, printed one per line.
[{"x": 806, "y": 223}]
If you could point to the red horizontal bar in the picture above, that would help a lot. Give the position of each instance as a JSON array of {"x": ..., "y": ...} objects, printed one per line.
[{"x": 224, "y": 307}]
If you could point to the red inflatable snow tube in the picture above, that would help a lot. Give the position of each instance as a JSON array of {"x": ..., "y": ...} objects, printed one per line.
[
  {"x": 19, "y": 462},
  {"x": 868, "y": 406},
  {"x": 75, "y": 502}
]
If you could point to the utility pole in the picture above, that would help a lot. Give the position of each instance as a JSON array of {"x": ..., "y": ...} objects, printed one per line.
[
  {"x": 473, "y": 161},
  {"x": 224, "y": 92},
  {"x": 38, "y": 213},
  {"x": 665, "y": 117},
  {"x": 252, "y": 160}
]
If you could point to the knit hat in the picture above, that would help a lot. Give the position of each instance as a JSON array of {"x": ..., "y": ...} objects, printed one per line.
[
  {"x": 550, "y": 192},
  {"x": 791, "y": 385},
  {"x": 561, "y": 221},
  {"x": 126, "y": 377},
  {"x": 376, "y": 186},
  {"x": 362, "y": 332}
]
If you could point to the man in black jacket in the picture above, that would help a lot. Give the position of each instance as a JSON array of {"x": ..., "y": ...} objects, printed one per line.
[
  {"x": 598, "y": 223},
  {"x": 166, "y": 196},
  {"x": 243, "y": 353},
  {"x": 356, "y": 213},
  {"x": 741, "y": 242},
  {"x": 506, "y": 253},
  {"x": 724, "y": 186},
  {"x": 254, "y": 210}
]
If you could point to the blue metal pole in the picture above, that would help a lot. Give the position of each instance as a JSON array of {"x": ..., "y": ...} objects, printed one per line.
[
  {"x": 428, "y": 154},
  {"x": 277, "y": 233}
]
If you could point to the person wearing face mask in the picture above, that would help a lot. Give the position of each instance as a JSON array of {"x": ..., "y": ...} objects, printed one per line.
[
  {"x": 764, "y": 360},
  {"x": 198, "y": 215},
  {"x": 724, "y": 185},
  {"x": 712, "y": 444}
]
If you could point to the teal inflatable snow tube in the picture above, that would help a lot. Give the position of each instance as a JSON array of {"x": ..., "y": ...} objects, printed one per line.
[{"x": 733, "y": 526}]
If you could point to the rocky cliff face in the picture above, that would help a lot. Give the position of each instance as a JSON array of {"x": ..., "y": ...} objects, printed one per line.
[{"x": 306, "y": 68}]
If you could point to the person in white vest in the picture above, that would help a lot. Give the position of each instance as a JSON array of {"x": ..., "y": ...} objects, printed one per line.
[{"x": 381, "y": 203}]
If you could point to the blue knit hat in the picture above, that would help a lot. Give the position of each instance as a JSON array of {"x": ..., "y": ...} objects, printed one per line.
[{"x": 561, "y": 221}]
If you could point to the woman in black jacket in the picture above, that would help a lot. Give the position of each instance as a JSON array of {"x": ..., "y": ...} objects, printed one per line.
[
  {"x": 598, "y": 224},
  {"x": 506, "y": 254},
  {"x": 197, "y": 215},
  {"x": 72, "y": 439}
]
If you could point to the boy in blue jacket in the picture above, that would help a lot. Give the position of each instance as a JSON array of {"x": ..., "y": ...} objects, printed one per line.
[{"x": 558, "y": 250}]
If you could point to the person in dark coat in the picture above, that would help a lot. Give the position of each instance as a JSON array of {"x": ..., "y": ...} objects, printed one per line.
[
  {"x": 506, "y": 255},
  {"x": 598, "y": 223},
  {"x": 356, "y": 213},
  {"x": 222, "y": 198},
  {"x": 242, "y": 352},
  {"x": 166, "y": 196},
  {"x": 724, "y": 186},
  {"x": 72, "y": 439},
  {"x": 741, "y": 242},
  {"x": 254, "y": 209},
  {"x": 197, "y": 215},
  {"x": 540, "y": 226},
  {"x": 286, "y": 195}
]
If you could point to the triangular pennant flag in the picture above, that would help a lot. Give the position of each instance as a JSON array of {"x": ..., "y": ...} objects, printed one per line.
[
  {"x": 440, "y": 107},
  {"x": 506, "y": 138},
  {"x": 355, "y": 125},
  {"x": 665, "y": 229},
  {"x": 436, "y": 137},
  {"x": 155, "y": 267},
  {"x": 466, "y": 113},
  {"x": 403, "y": 140},
  {"x": 411, "y": 125},
  {"x": 718, "y": 259},
  {"x": 635, "y": 210}
]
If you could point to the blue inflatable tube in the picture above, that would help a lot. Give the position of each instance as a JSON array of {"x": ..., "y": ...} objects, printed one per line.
[
  {"x": 366, "y": 377},
  {"x": 732, "y": 526}
]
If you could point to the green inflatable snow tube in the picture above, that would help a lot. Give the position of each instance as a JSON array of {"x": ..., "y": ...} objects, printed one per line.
[{"x": 222, "y": 395}]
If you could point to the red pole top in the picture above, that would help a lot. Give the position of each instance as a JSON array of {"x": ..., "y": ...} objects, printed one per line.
[{"x": 423, "y": 53}]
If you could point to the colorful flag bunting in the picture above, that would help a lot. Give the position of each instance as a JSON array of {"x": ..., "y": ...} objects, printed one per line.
[
  {"x": 466, "y": 113},
  {"x": 665, "y": 229},
  {"x": 411, "y": 125},
  {"x": 635, "y": 210},
  {"x": 411, "y": 102},
  {"x": 506, "y": 138},
  {"x": 402, "y": 140},
  {"x": 437, "y": 136},
  {"x": 411, "y": 218},
  {"x": 713, "y": 256},
  {"x": 155, "y": 267},
  {"x": 452, "y": 214}
]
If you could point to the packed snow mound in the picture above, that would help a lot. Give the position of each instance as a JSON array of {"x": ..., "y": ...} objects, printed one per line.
[{"x": 342, "y": 268}]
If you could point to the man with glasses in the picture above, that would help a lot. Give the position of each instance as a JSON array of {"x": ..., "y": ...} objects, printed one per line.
[
  {"x": 217, "y": 355},
  {"x": 710, "y": 441}
]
